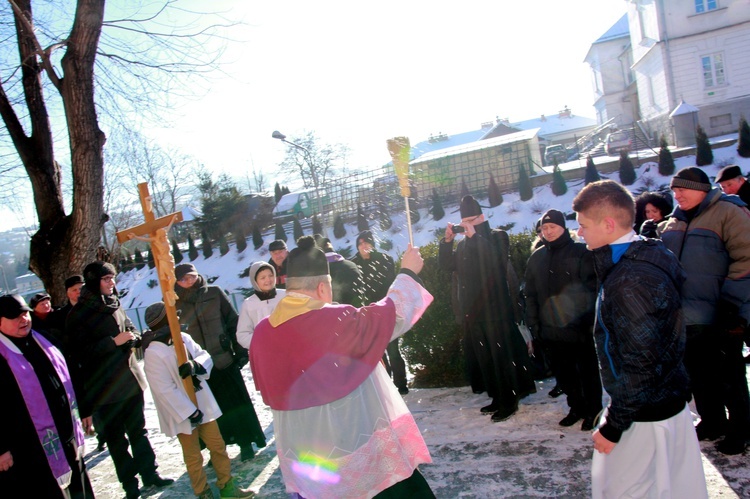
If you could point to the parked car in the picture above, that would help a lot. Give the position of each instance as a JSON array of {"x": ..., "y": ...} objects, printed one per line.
[
  {"x": 301, "y": 204},
  {"x": 555, "y": 152},
  {"x": 617, "y": 141}
]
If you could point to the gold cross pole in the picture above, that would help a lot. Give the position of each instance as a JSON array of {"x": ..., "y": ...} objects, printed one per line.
[
  {"x": 399, "y": 149},
  {"x": 155, "y": 232}
]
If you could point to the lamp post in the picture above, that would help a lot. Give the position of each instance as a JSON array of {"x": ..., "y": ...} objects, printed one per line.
[{"x": 313, "y": 173}]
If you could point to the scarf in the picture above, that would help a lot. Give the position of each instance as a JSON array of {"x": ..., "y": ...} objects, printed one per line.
[{"x": 36, "y": 404}]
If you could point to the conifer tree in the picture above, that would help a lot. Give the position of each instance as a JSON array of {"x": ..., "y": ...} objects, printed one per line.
[
  {"x": 627, "y": 172},
  {"x": 339, "y": 230},
  {"x": 559, "y": 187},
  {"x": 277, "y": 192},
  {"x": 206, "y": 245},
  {"x": 524, "y": 184},
  {"x": 743, "y": 139},
  {"x": 414, "y": 211},
  {"x": 257, "y": 238},
  {"x": 129, "y": 259},
  {"x": 192, "y": 250},
  {"x": 438, "y": 212},
  {"x": 362, "y": 223},
  {"x": 240, "y": 239},
  {"x": 494, "y": 195},
  {"x": 176, "y": 253},
  {"x": 464, "y": 190},
  {"x": 317, "y": 226},
  {"x": 297, "y": 229},
  {"x": 591, "y": 174},
  {"x": 139, "y": 263},
  {"x": 704, "y": 155},
  {"x": 666, "y": 160},
  {"x": 385, "y": 219},
  {"x": 150, "y": 258},
  {"x": 280, "y": 233},
  {"x": 223, "y": 245}
]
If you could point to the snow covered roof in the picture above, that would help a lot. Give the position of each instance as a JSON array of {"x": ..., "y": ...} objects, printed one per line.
[
  {"x": 683, "y": 108},
  {"x": 477, "y": 145},
  {"x": 620, "y": 29},
  {"x": 551, "y": 125},
  {"x": 443, "y": 141},
  {"x": 189, "y": 214}
]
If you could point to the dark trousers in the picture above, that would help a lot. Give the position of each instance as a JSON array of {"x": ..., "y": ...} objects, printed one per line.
[
  {"x": 577, "y": 371},
  {"x": 394, "y": 364},
  {"x": 126, "y": 418},
  {"x": 414, "y": 487},
  {"x": 718, "y": 379},
  {"x": 239, "y": 422}
]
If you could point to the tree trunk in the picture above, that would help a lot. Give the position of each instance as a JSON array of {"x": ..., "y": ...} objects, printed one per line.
[{"x": 64, "y": 244}]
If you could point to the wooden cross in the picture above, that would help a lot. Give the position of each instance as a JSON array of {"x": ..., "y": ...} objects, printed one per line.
[{"x": 155, "y": 231}]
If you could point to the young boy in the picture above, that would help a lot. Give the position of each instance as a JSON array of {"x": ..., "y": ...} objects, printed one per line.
[
  {"x": 645, "y": 442},
  {"x": 178, "y": 416}
]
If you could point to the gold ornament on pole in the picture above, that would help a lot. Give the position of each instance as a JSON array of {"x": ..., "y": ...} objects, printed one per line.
[{"x": 400, "y": 149}]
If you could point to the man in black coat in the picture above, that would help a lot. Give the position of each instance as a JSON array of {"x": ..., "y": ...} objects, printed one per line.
[
  {"x": 378, "y": 273},
  {"x": 102, "y": 339},
  {"x": 38, "y": 399},
  {"x": 732, "y": 181},
  {"x": 560, "y": 296},
  {"x": 490, "y": 330}
]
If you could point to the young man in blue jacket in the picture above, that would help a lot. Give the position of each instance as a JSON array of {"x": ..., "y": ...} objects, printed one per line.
[{"x": 645, "y": 442}]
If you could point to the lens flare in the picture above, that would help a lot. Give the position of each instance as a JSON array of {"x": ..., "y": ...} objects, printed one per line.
[{"x": 317, "y": 468}]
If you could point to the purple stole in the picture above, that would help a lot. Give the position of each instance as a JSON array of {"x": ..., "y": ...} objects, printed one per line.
[{"x": 36, "y": 404}]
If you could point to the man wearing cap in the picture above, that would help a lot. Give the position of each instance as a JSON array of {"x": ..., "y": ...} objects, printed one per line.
[
  {"x": 378, "y": 272},
  {"x": 731, "y": 181},
  {"x": 709, "y": 232},
  {"x": 346, "y": 276},
  {"x": 491, "y": 335},
  {"x": 178, "y": 415},
  {"x": 279, "y": 253},
  {"x": 42, "y": 316},
  {"x": 42, "y": 442},
  {"x": 341, "y": 428},
  {"x": 102, "y": 339},
  {"x": 560, "y": 295},
  {"x": 212, "y": 323}
]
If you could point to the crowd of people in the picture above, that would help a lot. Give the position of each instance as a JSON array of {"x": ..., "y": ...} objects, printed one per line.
[{"x": 647, "y": 301}]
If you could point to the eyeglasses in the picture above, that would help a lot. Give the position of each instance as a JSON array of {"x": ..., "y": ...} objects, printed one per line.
[
  {"x": 108, "y": 278},
  {"x": 188, "y": 278}
]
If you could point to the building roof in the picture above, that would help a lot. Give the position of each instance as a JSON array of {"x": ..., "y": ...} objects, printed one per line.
[
  {"x": 477, "y": 146},
  {"x": 620, "y": 29},
  {"x": 443, "y": 141},
  {"x": 683, "y": 108},
  {"x": 553, "y": 125}
]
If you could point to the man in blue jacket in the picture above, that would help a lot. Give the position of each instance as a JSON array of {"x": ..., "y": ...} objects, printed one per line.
[{"x": 645, "y": 443}]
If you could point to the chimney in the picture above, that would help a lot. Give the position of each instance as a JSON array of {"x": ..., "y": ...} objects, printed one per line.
[
  {"x": 565, "y": 113},
  {"x": 544, "y": 118}
]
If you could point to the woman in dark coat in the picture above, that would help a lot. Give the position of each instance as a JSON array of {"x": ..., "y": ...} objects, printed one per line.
[
  {"x": 651, "y": 208},
  {"x": 212, "y": 323}
]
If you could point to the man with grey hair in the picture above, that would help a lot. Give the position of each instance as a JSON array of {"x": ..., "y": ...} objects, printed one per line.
[{"x": 342, "y": 430}]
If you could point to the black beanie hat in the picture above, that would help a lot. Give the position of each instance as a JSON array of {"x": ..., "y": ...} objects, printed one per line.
[
  {"x": 156, "y": 315},
  {"x": 278, "y": 244},
  {"x": 693, "y": 178},
  {"x": 306, "y": 259},
  {"x": 94, "y": 271},
  {"x": 365, "y": 236},
  {"x": 553, "y": 217},
  {"x": 184, "y": 269},
  {"x": 470, "y": 207},
  {"x": 73, "y": 280}
]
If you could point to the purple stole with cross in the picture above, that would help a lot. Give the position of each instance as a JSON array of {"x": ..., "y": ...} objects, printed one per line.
[{"x": 36, "y": 404}]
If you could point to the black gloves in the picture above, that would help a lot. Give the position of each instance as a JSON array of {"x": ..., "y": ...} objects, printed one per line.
[
  {"x": 187, "y": 369},
  {"x": 241, "y": 358},
  {"x": 196, "y": 418},
  {"x": 648, "y": 229}
]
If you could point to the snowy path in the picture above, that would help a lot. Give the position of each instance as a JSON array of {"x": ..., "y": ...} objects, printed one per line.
[{"x": 528, "y": 455}]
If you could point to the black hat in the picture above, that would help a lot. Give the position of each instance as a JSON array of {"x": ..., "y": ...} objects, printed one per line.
[
  {"x": 11, "y": 306},
  {"x": 365, "y": 236},
  {"x": 156, "y": 315},
  {"x": 37, "y": 299},
  {"x": 470, "y": 207},
  {"x": 94, "y": 271},
  {"x": 728, "y": 173},
  {"x": 184, "y": 269},
  {"x": 323, "y": 243},
  {"x": 73, "y": 280},
  {"x": 278, "y": 244},
  {"x": 306, "y": 259},
  {"x": 693, "y": 178},
  {"x": 553, "y": 217}
]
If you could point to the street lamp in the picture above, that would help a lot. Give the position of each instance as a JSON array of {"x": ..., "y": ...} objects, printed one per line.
[{"x": 313, "y": 172}]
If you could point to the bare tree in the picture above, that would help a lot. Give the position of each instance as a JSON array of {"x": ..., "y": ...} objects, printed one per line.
[
  {"x": 47, "y": 100},
  {"x": 314, "y": 159}
]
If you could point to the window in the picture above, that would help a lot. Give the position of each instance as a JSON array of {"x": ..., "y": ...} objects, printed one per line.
[
  {"x": 704, "y": 5},
  {"x": 713, "y": 70},
  {"x": 721, "y": 120}
]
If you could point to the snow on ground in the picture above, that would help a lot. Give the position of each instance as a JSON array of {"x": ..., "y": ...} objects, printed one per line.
[{"x": 528, "y": 455}]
